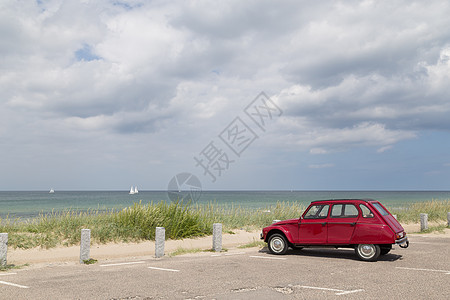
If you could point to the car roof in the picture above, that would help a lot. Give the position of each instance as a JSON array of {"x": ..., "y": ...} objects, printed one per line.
[{"x": 342, "y": 200}]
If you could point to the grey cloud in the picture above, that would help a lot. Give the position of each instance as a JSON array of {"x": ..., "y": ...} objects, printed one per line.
[{"x": 346, "y": 74}]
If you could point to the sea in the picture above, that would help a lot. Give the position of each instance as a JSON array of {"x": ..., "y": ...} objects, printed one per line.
[{"x": 30, "y": 204}]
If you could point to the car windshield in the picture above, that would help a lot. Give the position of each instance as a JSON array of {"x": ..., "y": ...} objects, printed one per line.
[
  {"x": 317, "y": 212},
  {"x": 380, "y": 209}
]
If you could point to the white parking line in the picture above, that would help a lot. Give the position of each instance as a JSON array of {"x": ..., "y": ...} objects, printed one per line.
[
  {"x": 162, "y": 269},
  {"x": 13, "y": 284},
  {"x": 428, "y": 270},
  {"x": 350, "y": 292},
  {"x": 236, "y": 253},
  {"x": 4, "y": 274},
  {"x": 339, "y": 292},
  {"x": 228, "y": 254},
  {"x": 125, "y": 263},
  {"x": 267, "y": 257}
]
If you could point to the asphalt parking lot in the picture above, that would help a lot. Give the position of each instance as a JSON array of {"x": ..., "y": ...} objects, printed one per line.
[{"x": 420, "y": 272}]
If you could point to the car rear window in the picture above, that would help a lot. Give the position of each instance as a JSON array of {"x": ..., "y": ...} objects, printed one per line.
[
  {"x": 380, "y": 209},
  {"x": 366, "y": 212}
]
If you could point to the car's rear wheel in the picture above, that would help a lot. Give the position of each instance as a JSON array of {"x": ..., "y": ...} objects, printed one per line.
[
  {"x": 277, "y": 244},
  {"x": 385, "y": 249},
  {"x": 368, "y": 252}
]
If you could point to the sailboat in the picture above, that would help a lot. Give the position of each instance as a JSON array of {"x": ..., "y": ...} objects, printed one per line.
[
  {"x": 134, "y": 190},
  {"x": 51, "y": 191}
]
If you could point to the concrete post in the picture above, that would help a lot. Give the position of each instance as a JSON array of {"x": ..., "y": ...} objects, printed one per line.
[
  {"x": 275, "y": 221},
  {"x": 423, "y": 222},
  {"x": 85, "y": 245},
  {"x": 217, "y": 237},
  {"x": 448, "y": 219},
  {"x": 3, "y": 248},
  {"x": 160, "y": 238}
]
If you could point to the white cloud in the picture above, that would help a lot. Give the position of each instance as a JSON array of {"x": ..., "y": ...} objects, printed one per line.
[{"x": 346, "y": 74}]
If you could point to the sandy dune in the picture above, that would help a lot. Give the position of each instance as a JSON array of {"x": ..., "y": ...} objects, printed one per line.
[{"x": 124, "y": 250}]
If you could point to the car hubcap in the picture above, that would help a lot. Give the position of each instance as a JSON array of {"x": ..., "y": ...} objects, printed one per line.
[
  {"x": 366, "y": 251},
  {"x": 277, "y": 244}
]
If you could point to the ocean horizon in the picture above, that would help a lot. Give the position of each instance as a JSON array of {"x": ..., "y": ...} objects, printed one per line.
[{"x": 29, "y": 204}]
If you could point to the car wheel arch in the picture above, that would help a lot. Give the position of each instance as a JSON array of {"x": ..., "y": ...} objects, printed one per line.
[{"x": 279, "y": 231}]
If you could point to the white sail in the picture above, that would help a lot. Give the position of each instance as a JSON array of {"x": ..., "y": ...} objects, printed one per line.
[
  {"x": 131, "y": 190},
  {"x": 136, "y": 190},
  {"x": 51, "y": 191}
]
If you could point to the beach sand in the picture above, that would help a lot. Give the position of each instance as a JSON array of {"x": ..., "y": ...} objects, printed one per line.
[
  {"x": 146, "y": 250},
  {"x": 111, "y": 251}
]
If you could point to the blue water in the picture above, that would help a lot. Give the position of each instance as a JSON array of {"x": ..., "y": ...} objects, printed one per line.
[{"x": 29, "y": 204}]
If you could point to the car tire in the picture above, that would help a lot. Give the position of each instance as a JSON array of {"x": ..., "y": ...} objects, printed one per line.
[
  {"x": 385, "y": 249},
  {"x": 277, "y": 244},
  {"x": 368, "y": 252}
]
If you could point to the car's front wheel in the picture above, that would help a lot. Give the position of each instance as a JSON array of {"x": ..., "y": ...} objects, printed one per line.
[
  {"x": 277, "y": 244},
  {"x": 368, "y": 252}
]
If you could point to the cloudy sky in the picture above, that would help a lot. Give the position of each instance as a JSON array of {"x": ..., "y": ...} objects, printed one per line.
[{"x": 102, "y": 95}]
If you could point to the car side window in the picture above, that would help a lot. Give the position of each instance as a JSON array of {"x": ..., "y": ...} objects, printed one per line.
[
  {"x": 317, "y": 212},
  {"x": 366, "y": 213},
  {"x": 350, "y": 211},
  {"x": 336, "y": 210},
  {"x": 344, "y": 211}
]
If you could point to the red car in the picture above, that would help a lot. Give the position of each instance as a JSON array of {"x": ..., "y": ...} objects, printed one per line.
[{"x": 365, "y": 225}]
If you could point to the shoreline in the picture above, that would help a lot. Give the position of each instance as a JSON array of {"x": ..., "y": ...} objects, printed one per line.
[{"x": 30, "y": 204}]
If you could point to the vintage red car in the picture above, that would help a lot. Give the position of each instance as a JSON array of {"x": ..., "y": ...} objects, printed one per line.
[{"x": 363, "y": 224}]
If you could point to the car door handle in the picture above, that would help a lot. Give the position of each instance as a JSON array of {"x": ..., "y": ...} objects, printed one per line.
[
  {"x": 353, "y": 224},
  {"x": 324, "y": 223}
]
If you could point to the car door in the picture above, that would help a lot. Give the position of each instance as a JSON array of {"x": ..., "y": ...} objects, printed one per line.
[
  {"x": 312, "y": 226},
  {"x": 342, "y": 223}
]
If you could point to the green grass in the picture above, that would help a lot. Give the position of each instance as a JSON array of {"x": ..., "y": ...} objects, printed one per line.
[
  {"x": 180, "y": 220},
  {"x": 90, "y": 261},
  {"x": 135, "y": 223},
  {"x": 11, "y": 267},
  {"x": 234, "y": 217},
  {"x": 182, "y": 251}
]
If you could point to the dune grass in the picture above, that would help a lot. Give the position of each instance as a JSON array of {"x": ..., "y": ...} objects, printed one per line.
[
  {"x": 436, "y": 210},
  {"x": 180, "y": 220}
]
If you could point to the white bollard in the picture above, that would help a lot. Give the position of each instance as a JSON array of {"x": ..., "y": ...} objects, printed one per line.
[
  {"x": 423, "y": 222},
  {"x": 217, "y": 237},
  {"x": 85, "y": 245},
  {"x": 3, "y": 248},
  {"x": 160, "y": 238},
  {"x": 275, "y": 221},
  {"x": 395, "y": 216},
  {"x": 448, "y": 219}
]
